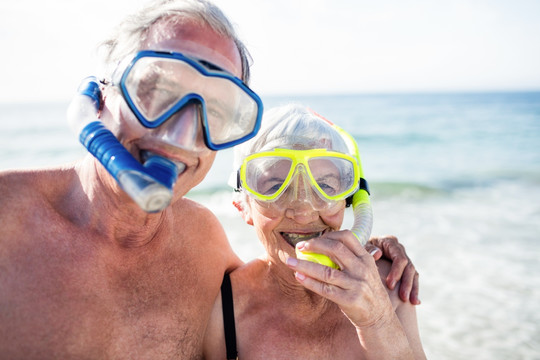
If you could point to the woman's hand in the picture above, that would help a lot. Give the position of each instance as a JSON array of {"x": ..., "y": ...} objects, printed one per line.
[
  {"x": 356, "y": 288},
  {"x": 402, "y": 268}
]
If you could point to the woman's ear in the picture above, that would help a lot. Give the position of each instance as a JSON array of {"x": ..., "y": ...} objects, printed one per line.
[{"x": 245, "y": 210}]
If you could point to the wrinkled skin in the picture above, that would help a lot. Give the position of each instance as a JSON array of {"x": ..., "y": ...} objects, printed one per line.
[
  {"x": 289, "y": 308},
  {"x": 85, "y": 273}
]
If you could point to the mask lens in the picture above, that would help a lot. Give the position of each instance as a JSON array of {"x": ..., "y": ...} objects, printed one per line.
[
  {"x": 267, "y": 176},
  {"x": 155, "y": 85},
  {"x": 333, "y": 176},
  {"x": 231, "y": 113}
]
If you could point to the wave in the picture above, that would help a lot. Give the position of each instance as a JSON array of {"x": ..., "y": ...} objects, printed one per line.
[{"x": 389, "y": 189}]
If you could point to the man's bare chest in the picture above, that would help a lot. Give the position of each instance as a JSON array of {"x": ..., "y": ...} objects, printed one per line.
[{"x": 94, "y": 309}]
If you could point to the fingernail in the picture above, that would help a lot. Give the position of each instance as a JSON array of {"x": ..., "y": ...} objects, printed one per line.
[
  {"x": 300, "y": 276},
  {"x": 392, "y": 285},
  {"x": 300, "y": 245},
  {"x": 292, "y": 261},
  {"x": 373, "y": 252}
]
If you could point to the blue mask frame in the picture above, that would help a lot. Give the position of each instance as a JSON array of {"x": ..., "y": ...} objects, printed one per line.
[{"x": 204, "y": 68}]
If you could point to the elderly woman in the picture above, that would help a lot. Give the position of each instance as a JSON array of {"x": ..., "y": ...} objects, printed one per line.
[{"x": 295, "y": 181}]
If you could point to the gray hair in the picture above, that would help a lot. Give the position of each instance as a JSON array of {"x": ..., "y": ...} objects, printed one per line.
[
  {"x": 292, "y": 126},
  {"x": 130, "y": 34}
]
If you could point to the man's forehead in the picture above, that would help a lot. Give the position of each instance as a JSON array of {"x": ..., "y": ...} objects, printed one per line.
[{"x": 197, "y": 39}]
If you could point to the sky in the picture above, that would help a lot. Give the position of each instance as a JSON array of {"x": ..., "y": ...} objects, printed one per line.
[{"x": 298, "y": 47}]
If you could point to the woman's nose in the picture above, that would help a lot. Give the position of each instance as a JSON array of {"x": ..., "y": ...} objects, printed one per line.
[{"x": 301, "y": 211}]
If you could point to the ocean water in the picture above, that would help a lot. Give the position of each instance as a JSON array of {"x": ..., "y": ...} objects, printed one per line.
[{"x": 455, "y": 176}]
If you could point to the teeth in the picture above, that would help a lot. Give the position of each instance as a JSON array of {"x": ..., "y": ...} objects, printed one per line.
[{"x": 294, "y": 238}]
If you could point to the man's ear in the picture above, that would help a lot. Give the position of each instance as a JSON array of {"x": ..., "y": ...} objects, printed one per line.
[{"x": 245, "y": 210}]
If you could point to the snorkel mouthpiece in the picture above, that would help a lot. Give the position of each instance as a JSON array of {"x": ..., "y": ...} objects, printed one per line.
[
  {"x": 316, "y": 258},
  {"x": 363, "y": 222},
  {"x": 149, "y": 185}
]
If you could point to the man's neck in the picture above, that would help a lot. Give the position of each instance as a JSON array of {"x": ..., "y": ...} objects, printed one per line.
[{"x": 98, "y": 203}]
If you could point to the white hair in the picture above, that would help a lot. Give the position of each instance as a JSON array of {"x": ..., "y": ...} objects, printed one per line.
[{"x": 292, "y": 126}]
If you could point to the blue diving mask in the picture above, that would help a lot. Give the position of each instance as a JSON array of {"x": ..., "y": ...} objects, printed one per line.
[{"x": 158, "y": 85}]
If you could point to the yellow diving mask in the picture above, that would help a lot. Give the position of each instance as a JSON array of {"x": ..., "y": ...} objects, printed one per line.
[{"x": 283, "y": 176}]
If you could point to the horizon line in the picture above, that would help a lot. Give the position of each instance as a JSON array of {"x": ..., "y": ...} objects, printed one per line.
[{"x": 16, "y": 101}]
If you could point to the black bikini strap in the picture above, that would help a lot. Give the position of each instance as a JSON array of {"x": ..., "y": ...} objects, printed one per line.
[{"x": 228, "y": 318}]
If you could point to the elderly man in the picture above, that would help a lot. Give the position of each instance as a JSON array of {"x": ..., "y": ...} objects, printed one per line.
[{"x": 85, "y": 273}]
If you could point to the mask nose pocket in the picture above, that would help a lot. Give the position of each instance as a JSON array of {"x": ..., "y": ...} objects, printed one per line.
[
  {"x": 300, "y": 192},
  {"x": 183, "y": 129}
]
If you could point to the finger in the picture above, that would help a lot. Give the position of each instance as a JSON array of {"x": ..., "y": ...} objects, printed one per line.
[
  {"x": 359, "y": 300},
  {"x": 415, "y": 300},
  {"x": 326, "y": 290},
  {"x": 319, "y": 273},
  {"x": 396, "y": 271},
  {"x": 348, "y": 238},
  {"x": 373, "y": 251},
  {"x": 407, "y": 282},
  {"x": 401, "y": 267},
  {"x": 392, "y": 249},
  {"x": 335, "y": 249},
  {"x": 374, "y": 240},
  {"x": 377, "y": 240},
  {"x": 390, "y": 246}
]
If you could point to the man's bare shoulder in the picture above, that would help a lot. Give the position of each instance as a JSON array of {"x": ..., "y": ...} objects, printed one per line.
[
  {"x": 31, "y": 182},
  {"x": 17, "y": 187},
  {"x": 10, "y": 179},
  {"x": 193, "y": 215},
  {"x": 196, "y": 215},
  {"x": 199, "y": 227},
  {"x": 25, "y": 192}
]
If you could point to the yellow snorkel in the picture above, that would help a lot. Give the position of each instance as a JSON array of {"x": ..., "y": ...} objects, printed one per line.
[{"x": 363, "y": 216}]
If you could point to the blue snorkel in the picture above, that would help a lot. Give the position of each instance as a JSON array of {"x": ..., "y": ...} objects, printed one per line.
[{"x": 149, "y": 185}]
